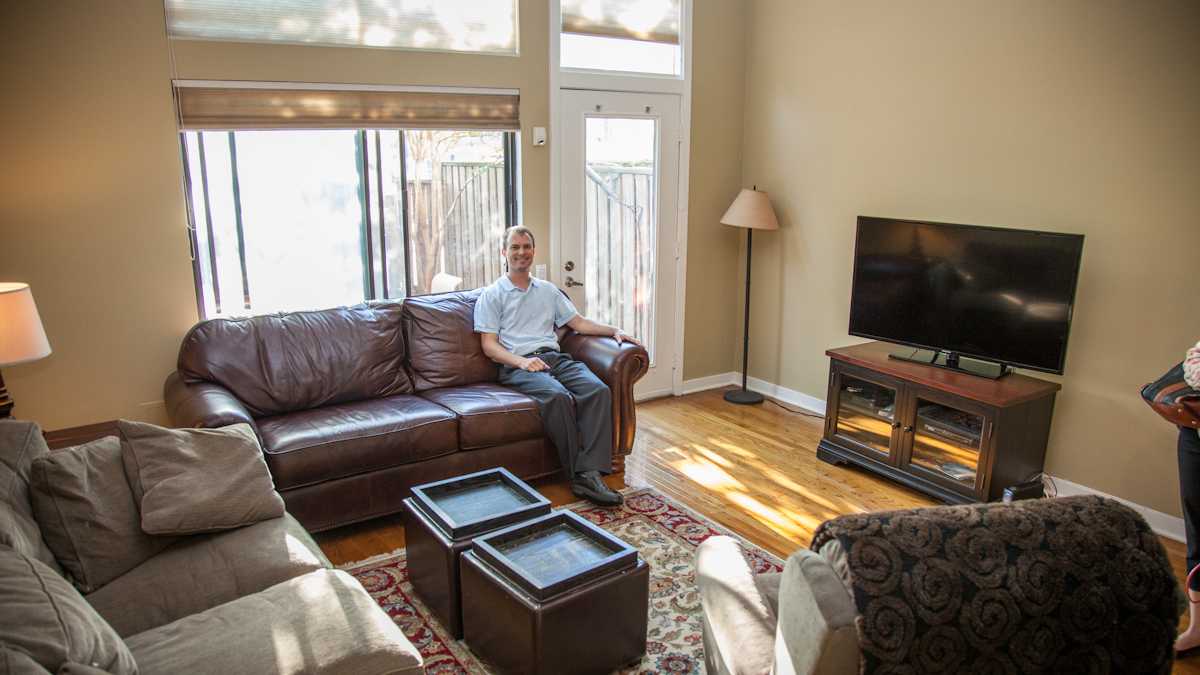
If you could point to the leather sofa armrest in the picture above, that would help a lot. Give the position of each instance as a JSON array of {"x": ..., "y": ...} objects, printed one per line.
[
  {"x": 620, "y": 366},
  {"x": 203, "y": 405}
]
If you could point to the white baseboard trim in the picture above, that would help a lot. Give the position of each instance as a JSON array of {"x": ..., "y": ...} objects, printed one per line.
[
  {"x": 1164, "y": 524},
  {"x": 782, "y": 394},
  {"x": 710, "y": 382},
  {"x": 790, "y": 396}
]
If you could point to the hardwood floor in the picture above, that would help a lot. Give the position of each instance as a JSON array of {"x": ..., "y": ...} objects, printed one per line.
[{"x": 753, "y": 469}]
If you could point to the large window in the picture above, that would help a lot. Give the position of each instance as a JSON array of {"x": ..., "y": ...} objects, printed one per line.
[
  {"x": 450, "y": 25},
  {"x": 303, "y": 219},
  {"x": 630, "y": 36}
]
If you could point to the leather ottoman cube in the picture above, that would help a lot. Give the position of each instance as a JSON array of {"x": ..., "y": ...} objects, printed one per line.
[{"x": 585, "y": 616}]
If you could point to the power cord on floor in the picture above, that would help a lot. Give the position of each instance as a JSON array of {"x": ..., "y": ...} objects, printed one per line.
[{"x": 806, "y": 413}]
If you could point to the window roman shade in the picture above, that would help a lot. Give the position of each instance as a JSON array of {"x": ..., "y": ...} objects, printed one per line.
[
  {"x": 238, "y": 108},
  {"x": 646, "y": 20},
  {"x": 487, "y": 26}
]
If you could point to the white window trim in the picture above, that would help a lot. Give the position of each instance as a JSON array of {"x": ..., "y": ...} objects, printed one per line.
[{"x": 615, "y": 81}]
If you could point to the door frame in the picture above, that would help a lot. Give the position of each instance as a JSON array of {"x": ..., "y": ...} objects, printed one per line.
[{"x": 635, "y": 84}]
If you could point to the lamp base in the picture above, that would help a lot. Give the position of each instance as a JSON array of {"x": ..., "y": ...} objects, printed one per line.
[
  {"x": 743, "y": 397},
  {"x": 6, "y": 402}
]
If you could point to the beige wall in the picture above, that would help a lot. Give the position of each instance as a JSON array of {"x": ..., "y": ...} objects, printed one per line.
[
  {"x": 713, "y": 291},
  {"x": 91, "y": 209},
  {"x": 1073, "y": 116}
]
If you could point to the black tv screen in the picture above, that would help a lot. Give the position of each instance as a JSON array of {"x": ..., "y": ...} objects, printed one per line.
[{"x": 992, "y": 293}]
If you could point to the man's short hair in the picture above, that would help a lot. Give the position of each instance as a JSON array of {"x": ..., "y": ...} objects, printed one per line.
[{"x": 515, "y": 230}]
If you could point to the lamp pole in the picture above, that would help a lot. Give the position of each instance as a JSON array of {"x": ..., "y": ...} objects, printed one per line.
[{"x": 744, "y": 396}]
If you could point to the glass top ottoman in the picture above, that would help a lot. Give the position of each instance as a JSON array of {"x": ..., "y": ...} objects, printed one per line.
[
  {"x": 440, "y": 520},
  {"x": 555, "y": 594}
]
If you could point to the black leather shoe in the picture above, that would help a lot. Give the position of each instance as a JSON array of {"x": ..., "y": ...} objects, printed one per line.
[{"x": 589, "y": 486}]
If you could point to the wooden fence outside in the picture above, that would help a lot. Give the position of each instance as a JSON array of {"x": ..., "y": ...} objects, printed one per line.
[{"x": 619, "y": 237}]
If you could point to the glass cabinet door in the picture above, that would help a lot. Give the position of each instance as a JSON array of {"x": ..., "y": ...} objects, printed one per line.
[
  {"x": 948, "y": 442},
  {"x": 866, "y": 414}
]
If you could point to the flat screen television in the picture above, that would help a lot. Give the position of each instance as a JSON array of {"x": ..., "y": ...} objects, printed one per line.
[{"x": 1001, "y": 295}]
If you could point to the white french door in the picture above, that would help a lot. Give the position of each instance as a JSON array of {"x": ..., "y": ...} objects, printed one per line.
[{"x": 618, "y": 217}]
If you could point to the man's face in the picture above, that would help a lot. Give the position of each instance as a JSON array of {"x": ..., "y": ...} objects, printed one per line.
[{"x": 519, "y": 253}]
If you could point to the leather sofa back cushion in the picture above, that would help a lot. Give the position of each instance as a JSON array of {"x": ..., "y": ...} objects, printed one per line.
[
  {"x": 51, "y": 623},
  {"x": 443, "y": 348},
  {"x": 89, "y": 515},
  {"x": 280, "y": 363}
]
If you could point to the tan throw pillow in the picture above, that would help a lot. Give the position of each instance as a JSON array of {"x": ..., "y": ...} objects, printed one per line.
[
  {"x": 88, "y": 514},
  {"x": 50, "y": 622},
  {"x": 198, "y": 480}
]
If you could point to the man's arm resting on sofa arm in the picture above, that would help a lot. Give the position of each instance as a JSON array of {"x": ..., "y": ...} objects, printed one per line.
[
  {"x": 620, "y": 366},
  {"x": 203, "y": 404}
]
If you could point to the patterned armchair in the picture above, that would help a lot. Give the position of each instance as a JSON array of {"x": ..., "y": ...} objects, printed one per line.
[{"x": 1077, "y": 584}]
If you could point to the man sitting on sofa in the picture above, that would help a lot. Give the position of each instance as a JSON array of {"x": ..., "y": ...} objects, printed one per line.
[{"x": 515, "y": 318}]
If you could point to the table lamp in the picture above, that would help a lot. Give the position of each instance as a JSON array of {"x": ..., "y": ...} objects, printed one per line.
[
  {"x": 752, "y": 211},
  {"x": 21, "y": 336}
]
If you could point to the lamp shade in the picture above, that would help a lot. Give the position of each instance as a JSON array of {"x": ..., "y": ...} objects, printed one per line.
[
  {"x": 21, "y": 336},
  {"x": 751, "y": 209}
]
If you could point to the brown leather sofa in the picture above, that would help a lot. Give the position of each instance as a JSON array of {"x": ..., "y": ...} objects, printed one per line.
[{"x": 355, "y": 405}]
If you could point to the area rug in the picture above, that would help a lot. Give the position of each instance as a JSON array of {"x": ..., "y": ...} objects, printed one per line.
[{"x": 665, "y": 533}]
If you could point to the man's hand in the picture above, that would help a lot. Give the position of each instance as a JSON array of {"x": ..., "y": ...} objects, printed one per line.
[
  {"x": 620, "y": 336},
  {"x": 533, "y": 364}
]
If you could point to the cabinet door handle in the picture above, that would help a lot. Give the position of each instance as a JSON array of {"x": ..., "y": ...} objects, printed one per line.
[
  {"x": 908, "y": 429},
  {"x": 895, "y": 425}
]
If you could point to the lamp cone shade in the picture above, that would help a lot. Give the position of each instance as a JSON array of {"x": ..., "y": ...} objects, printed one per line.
[
  {"x": 751, "y": 209},
  {"x": 22, "y": 338}
]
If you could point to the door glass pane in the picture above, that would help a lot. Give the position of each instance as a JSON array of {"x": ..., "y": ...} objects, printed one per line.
[
  {"x": 865, "y": 413},
  {"x": 947, "y": 442},
  {"x": 620, "y": 224}
]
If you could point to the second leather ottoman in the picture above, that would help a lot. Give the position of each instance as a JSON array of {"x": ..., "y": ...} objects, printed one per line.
[
  {"x": 440, "y": 520},
  {"x": 555, "y": 595}
]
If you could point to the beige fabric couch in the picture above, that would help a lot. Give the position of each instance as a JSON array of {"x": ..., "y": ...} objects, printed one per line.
[{"x": 257, "y": 599}]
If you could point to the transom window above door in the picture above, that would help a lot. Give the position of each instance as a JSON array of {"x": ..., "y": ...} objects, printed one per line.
[
  {"x": 487, "y": 26},
  {"x": 626, "y": 36}
]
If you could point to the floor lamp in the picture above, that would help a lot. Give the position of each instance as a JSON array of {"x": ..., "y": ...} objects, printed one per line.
[
  {"x": 752, "y": 211},
  {"x": 21, "y": 336}
]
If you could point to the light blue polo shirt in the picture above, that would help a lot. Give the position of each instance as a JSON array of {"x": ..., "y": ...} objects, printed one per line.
[{"x": 523, "y": 320}]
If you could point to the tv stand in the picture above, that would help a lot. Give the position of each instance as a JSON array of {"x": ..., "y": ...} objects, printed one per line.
[
  {"x": 952, "y": 361},
  {"x": 937, "y": 429}
]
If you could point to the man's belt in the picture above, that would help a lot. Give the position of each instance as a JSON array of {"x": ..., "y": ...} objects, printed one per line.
[{"x": 541, "y": 350}]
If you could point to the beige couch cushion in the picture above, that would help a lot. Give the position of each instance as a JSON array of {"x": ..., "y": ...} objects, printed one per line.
[
  {"x": 204, "y": 571},
  {"x": 739, "y": 624},
  {"x": 20, "y": 444},
  {"x": 816, "y": 632},
  {"x": 198, "y": 480},
  {"x": 42, "y": 616},
  {"x": 88, "y": 514},
  {"x": 322, "y": 622}
]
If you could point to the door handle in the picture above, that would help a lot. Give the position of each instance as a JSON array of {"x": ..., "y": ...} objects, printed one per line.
[
  {"x": 908, "y": 429},
  {"x": 572, "y": 283}
]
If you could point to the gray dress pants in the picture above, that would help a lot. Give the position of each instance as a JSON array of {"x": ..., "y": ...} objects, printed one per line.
[{"x": 576, "y": 409}]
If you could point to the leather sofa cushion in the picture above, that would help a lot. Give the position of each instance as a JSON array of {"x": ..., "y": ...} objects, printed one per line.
[
  {"x": 443, "y": 348},
  {"x": 283, "y": 362},
  {"x": 489, "y": 414},
  {"x": 207, "y": 570},
  {"x": 317, "y": 445}
]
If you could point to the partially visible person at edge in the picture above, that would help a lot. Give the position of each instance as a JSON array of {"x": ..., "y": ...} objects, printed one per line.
[
  {"x": 1189, "y": 493},
  {"x": 516, "y": 317}
]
